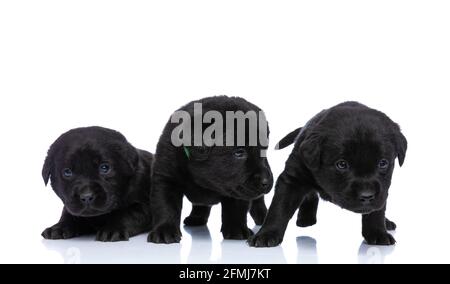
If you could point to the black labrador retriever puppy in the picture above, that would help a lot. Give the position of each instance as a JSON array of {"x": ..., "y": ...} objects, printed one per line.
[
  {"x": 237, "y": 175},
  {"x": 103, "y": 182},
  {"x": 345, "y": 155}
]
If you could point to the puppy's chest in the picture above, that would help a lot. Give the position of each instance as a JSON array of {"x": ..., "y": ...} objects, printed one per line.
[{"x": 200, "y": 196}]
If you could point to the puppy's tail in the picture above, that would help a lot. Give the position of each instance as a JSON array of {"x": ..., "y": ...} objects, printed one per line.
[{"x": 288, "y": 139}]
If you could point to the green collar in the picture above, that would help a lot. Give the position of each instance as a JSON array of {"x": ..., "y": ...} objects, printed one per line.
[{"x": 186, "y": 152}]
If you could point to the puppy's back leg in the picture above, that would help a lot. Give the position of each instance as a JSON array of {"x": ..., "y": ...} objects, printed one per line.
[
  {"x": 199, "y": 216},
  {"x": 258, "y": 211},
  {"x": 390, "y": 226},
  {"x": 308, "y": 211}
]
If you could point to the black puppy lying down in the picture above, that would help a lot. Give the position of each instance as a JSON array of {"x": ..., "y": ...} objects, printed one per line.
[
  {"x": 235, "y": 176},
  {"x": 345, "y": 155},
  {"x": 103, "y": 182}
]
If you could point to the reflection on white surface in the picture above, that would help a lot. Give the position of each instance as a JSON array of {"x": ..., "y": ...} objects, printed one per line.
[
  {"x": 307, "y": 250},
  {"x": 85, "y": 250},
  {"x": 137, "y": 250},
  {"x": 198, "y": 251},
  {"x": 201, "y": 245},
  {"x": 373, "y": 254}
]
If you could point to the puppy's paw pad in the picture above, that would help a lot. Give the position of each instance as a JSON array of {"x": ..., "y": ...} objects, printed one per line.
[
  {"x": 390, "y": 226},
  {"x": 236, "y": 233},
  {"x": 306, "y": 221},
  {"x": 380, "y": 239},
  {"x": 164, "y": 235},
  {"x": 59, "y": 232},
  {"x": 111, "y": 235},
  {"x": 195, "y": 221},
  {"x": 267, "y": 239}
]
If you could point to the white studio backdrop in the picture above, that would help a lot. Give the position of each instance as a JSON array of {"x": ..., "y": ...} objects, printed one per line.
[{"x": 128, "y": 65}]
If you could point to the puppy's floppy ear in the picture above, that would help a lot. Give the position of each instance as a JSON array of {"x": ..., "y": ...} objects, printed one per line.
[
  {"x": 47, "y": 169},
  {"x": 288, "y": 139},
  {"x": 310, "y": 150},
  {"x": 401, "y": 145}
]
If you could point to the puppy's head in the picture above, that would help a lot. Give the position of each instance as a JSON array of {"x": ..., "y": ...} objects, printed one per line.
[
  {"x": 90, "y": 169},
  {"x": 352, "y": 160},
  {"x": 235, "y": 165},
  {"x": 238, "y": 172}
]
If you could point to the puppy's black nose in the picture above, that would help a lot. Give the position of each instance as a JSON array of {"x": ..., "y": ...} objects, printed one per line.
[
  {"x": 265, "y": 183},
  {"x": 87, "y": 198},
  {"x": 366, "y": 196}
]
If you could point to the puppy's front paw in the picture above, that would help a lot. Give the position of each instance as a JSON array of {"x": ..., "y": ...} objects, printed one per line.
[
  {"x": 167, "y": 234},
  {"x": 379, "y": 238},
  {"x": 306, "y": 221},
  {"x": 60, "y": 231},
  {"x": 236, "y": 233},
  {"x": 195, "y": 221},
  {"x": 265, "y": 239},
  {"x": 112, "y": 235},
  {"x": 390, "y": 226}
]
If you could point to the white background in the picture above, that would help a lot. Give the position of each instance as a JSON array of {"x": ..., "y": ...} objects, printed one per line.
[{"x": 128, "y": 64}]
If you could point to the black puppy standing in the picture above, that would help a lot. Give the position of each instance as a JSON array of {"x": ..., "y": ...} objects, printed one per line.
[
  {"x": 345, "y": 155},
  {"x": 103, "y": 182},
  {"x": 236, "y": 177}
]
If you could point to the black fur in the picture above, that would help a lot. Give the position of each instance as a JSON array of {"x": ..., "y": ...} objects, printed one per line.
[
  {"x": 207, "y": 176},
  {"x": 288, "y": 139},
  {"x": 350, "y": 131},
  {"x": 111, "y": 202}
]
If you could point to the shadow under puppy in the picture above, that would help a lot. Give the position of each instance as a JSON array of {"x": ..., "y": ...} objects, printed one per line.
[
  {"x": 103, "y": 182},
  {"x": 208, "y": 174},
  {"x": 345, "y": 155}
]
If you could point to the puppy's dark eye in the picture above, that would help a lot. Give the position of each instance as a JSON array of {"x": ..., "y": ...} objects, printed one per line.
[
  {"x": 383, "y": 164},
  {"x": 104, "y": 169},
  {"x": 67, "y": 173},
  {"x": 342, "y": 165},
  {"x": 240, "y": 153}
]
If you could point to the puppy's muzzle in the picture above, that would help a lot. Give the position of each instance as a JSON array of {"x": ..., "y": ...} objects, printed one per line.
[
  {"x": 262, "y": 183},
  {"x": 87, "y": 193},
  {"x": 87, "y": 197},
  {"x": 366, "y": 193},
  {"x": 266, "y": 184},
  {"x": 367, "y": 196}
]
